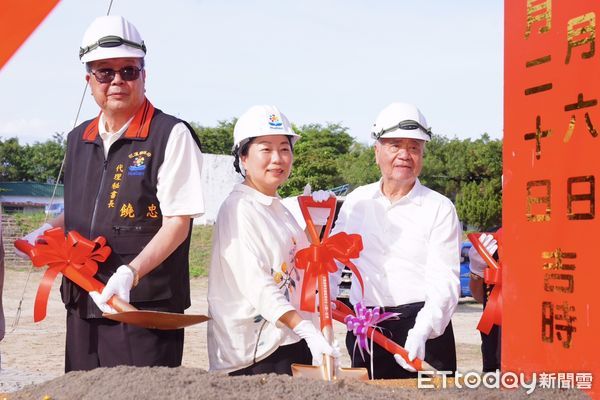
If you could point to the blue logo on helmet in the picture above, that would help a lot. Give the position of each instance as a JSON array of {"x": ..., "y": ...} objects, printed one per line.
[{"x": 275, "y": 122}]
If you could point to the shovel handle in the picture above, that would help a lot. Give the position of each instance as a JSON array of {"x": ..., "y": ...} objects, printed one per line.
[
  {"x": 23, "y": 246},
  {"x": 306, "y": 202},
  {"x": 487, "y": 257},
  {"x": 120, "y": 305},
  {"x": 340, "y": 313}
]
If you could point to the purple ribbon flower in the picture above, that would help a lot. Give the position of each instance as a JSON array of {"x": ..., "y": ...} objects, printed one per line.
[{"x": 360, "y": 323}]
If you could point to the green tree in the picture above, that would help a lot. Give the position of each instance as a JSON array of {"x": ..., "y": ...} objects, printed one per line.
[
  {"x": 450, "y": 163},
  {"x": 358, "y": 167},
  {"x": 44, "y": 159},
  {"x": 13, "y": 157},
  {"x": 480, "y": 204},
  {"x": 216, "y": 140},
  {"x": 316, "y": 157},
  {"x": 469, "y": 173},
  {"x": 39, "y": 162}
]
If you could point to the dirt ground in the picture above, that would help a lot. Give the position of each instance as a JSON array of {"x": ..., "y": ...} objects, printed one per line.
[
  {"x": 33, "y": 353},
  {"x": 191, "y": 383}
]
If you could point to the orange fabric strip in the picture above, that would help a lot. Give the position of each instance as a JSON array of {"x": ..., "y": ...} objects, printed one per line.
[
  {"x": 138, "y": 129},
  {"x": 18, "y": 20},
  {"x": 91, "y": 131},
  {"x": 140, "y": 126}
]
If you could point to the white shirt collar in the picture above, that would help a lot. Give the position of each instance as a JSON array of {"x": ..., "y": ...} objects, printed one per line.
[
  {"x": 255, "y": 194},
  {"x": 108, "y": 138},
  {"x": 414, "y": 196},
  {"x": 105, "y": 135}
]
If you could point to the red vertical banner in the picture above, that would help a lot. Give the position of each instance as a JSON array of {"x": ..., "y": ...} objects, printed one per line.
[
  {"x": 18, "y": 19},
  {"x": 551, "y": 315}
]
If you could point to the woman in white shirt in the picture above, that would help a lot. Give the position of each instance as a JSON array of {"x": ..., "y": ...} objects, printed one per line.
[{"x": 253, "y": 285}]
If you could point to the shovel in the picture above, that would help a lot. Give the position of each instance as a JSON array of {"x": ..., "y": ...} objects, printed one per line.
[
  {"x": 327, "y": 370},
  {"x": 125, "y": 312},
  {"x": 340, "y": 313}
]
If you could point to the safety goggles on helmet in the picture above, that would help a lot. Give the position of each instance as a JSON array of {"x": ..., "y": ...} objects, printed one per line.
[
  {"x": 408, "y": 124},
  {"x": 111, "y": 41},
  {"x": 106, "y": 75}
]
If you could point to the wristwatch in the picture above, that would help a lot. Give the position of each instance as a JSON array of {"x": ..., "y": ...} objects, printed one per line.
[{"x": 136, "y": 276}]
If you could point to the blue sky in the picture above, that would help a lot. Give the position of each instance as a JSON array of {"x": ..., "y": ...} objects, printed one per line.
[{"x": 318, "y": 61}]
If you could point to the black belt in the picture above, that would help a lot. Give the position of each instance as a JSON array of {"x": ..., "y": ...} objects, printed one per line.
[{"x": 403, "y": 309}]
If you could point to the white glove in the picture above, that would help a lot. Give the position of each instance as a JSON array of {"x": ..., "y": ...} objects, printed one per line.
[
  {"x": 119, "y": 284},
  {"x": 316, "y": 342},
  {"x": 318, "y": 215},
  {"x": 402, "y": 362},
  {"x": 322, "y": 195},
  {"x": 337, "y": 360},
  {"x": 488, "y": 241},
  {"x": 105, "y": 308},
  {"x": 415, "y": 346},
  {"x": 476, "y": 263},
  {"x": 32, "y": 238}
]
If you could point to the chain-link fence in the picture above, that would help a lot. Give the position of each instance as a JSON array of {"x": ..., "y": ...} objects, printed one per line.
[{"x": 13, "y": 228}]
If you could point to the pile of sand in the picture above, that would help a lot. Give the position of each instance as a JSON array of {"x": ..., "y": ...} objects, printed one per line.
[{"x": 192, "y": 383}]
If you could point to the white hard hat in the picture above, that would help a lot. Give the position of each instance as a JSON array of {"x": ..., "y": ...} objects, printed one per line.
[
  {"x": 111, "y": 36},
  {"x": 401, "y": 120},
  {"x": 261, "y": 121}
]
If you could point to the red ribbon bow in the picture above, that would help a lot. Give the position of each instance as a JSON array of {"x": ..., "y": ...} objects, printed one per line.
[
  {"x": 492, "y": 313},
  {"x": 72, "y": 255},
  {"x": 320, "y": 259}
]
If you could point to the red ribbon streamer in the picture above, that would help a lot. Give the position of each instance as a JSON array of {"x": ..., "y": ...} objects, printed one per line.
[
  {"x": 318, "y": 259},
  {"x": 72, "y": 255},
  {"x": 492, "y": 313}
]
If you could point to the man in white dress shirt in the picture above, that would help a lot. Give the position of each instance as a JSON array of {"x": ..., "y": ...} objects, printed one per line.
[{"x": 410, "y": 262}]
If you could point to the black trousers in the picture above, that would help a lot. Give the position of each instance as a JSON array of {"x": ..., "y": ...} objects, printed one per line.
[
  {"x": 100, "y": 342},
  {"x": 491, "y": 349},
  {"x": 439, "y": 352},
  {"x": 491, "y": 343},
  {"x": 280, "y": 362}
]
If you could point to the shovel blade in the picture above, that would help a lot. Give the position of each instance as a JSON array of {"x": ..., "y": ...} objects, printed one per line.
[
  {"x": 321, "y": 373},
  {"x": 310, "y": 371},
  {"x": 157, "y": 319},
  {"x": 360, "y": 374}
]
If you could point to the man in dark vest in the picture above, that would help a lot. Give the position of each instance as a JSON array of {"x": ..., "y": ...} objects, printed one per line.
[{"x": 132, "y": 175}]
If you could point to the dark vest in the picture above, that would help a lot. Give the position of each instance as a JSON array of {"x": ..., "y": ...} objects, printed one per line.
[{"x": 116, "y": 198}]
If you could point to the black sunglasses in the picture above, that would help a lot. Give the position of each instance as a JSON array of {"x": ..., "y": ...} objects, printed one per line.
[
  {"x": 408, "y": 124},
  {"x": 106, "y": 75},
  {"x": 111, "y": 41}
]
